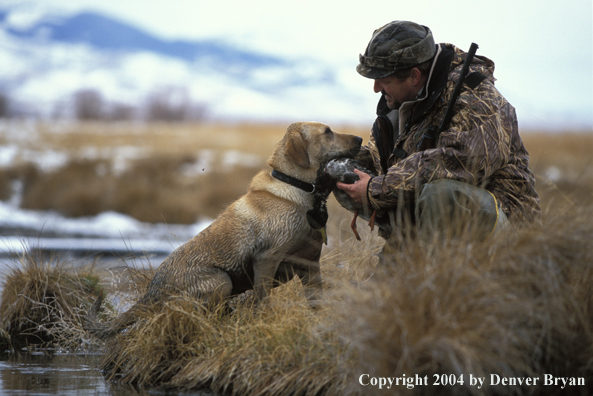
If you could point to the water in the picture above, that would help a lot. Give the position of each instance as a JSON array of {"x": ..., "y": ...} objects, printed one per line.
[
  {"x": 48, "y": 373},
  {"x": 63, "y": 374},
  {"x": 40, "y": 374},
  {"x": 109, "y": 240}
]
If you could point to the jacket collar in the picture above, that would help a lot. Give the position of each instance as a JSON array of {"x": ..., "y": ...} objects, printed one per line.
[{"x": 436, "y": 83}]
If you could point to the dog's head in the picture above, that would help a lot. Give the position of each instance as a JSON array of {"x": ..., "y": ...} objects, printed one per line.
[{"x": 308, "y": 145}]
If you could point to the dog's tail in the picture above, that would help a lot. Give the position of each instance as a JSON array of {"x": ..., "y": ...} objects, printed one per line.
[{"x": 109, "y": 329}]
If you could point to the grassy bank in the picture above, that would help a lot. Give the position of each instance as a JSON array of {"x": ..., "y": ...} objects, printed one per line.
[{"x": 521, "y": 306}]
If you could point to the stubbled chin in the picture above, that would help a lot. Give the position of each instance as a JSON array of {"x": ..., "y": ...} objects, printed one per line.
[
  {"x": 393, "y": 106},
  {"x": 390, "y": 103}
]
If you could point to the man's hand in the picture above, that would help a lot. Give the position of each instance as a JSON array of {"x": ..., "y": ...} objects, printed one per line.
[{"x": 357, "y": 190}]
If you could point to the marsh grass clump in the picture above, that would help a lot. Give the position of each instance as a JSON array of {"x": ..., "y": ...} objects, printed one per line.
[
  {"x": 43, "y": 302},
  {"x": 271, "y": 349},
  {"x": 520, "y": 306}
]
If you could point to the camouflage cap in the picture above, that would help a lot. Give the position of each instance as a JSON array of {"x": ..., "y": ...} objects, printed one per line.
[{"x": 397, "y": 45}]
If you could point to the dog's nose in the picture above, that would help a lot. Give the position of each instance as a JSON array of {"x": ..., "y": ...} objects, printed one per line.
[{"x": 358, "y": 140}]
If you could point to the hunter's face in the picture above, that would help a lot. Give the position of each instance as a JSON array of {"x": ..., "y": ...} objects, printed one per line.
[{"x": 395, "y": 90}]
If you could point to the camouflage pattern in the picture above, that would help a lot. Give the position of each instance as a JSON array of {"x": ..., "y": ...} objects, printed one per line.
[
  {"x": 481, "y": 147},
  {"x": 397, "y": 45}
]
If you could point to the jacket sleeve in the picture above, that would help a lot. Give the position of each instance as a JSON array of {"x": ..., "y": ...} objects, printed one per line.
[{"x": 475, "y": 146}]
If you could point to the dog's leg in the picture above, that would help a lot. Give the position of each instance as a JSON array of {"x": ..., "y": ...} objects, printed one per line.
[
  {"x": 305, "y": 264},
  {"x": 264, "y": 269},
  {"x": 312, "y": 284},
  {"x": 310, "y": 275},
  {"x": 209, "y": 284}
]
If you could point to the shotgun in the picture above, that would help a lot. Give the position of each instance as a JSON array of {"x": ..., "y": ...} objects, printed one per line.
[{"x": 431, "y": 136}]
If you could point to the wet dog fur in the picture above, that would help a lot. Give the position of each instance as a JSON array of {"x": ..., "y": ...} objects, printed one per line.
[{"x": 258, "y": 242}]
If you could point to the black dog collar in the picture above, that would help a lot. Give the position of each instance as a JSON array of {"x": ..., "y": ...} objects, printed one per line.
[
  {"x": 316, "y": 217},
  {"x": 307, "y": 187}
]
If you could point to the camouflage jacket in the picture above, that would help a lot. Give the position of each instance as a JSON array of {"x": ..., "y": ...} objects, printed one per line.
[{"x": 481, "y": 146}]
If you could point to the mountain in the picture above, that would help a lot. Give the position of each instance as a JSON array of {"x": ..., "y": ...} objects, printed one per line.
[
  {"x": 106, "y": 34},
  {"x": 45, "y": 63}
]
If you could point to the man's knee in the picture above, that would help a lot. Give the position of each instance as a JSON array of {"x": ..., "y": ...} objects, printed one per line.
[{"x": 451, "y": 207}]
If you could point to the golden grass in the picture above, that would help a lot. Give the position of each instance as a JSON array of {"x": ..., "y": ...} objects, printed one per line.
[
  {"x": 150, "y": 190},
  {"x": 563, "y": 165},
  {"x": 43, "y": 302},
  {"x": 179, "y": 139},
  {"x": 150, "y": 184},
  {"x": 268, "y": 350},
  {"x": 519, "y": 306},
  {"x": 522, "y": 306}
]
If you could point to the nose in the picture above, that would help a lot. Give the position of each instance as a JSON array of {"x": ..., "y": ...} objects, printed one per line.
[
  {"x": 377, "y": 86},
  {"x": 358, "y": 140}
]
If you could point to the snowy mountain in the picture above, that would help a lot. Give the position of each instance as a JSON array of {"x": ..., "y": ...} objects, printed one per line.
[
  {"x": 44, "y": 62},
  {"x": 106, "y": 34}
]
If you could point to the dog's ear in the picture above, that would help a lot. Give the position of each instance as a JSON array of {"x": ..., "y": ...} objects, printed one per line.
[{"x": 296, "y": 149}]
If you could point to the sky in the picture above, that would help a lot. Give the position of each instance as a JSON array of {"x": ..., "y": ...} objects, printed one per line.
[{"x": 543, "y": 49}]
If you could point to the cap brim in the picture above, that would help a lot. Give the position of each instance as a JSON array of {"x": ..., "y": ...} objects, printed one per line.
[{"x": 373, "y": 72}]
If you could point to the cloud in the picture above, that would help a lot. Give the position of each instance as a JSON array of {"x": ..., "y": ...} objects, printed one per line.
[{"x": 542, "y": 48}]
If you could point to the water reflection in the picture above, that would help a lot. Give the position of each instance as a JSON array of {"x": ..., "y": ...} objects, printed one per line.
[
  {"x": 62, "y": 374},
  {"x": 42, "y": 374}
]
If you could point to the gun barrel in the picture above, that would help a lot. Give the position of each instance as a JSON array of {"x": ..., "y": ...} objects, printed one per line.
[{"x": 449, "y": 112}]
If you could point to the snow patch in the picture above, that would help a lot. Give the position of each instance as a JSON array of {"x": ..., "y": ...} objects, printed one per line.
[
  {"x": 553, "y": 174},
  {"x": 7, "y": 155},
  {"x": 234, "y": 157},
  {"x": 104, "y": 225}
]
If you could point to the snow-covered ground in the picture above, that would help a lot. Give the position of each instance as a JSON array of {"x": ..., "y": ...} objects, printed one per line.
[
  {"x": 110, "y": 234},
  {"x": 109, "y": 225}
]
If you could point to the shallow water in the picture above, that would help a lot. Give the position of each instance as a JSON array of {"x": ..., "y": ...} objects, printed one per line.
[
  {"x": 65, "y": 374},
  {"x": 40, "y": 374}
]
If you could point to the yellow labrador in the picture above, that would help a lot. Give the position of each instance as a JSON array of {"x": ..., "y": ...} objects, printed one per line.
[{"x": 261, "y": 240}]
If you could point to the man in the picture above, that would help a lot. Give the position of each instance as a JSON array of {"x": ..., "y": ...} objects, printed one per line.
[{"x": 475, "y": 170}]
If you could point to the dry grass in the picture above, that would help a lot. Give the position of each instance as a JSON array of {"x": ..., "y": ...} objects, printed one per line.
[
  {"x": 148, "y": 179},
  {"x": 563, "y": 165},
  {"x": 519, "y": 306},
  {"x": 178, "y": 139},
  {"x": 151, "y": 190},
  {"x": 174, "y": 173},
  {"x": 141, "y": 169},
  {"x": 44, "y": 300},
  {"x": 522, "y": 306},
  {"x": 268, "y": 350}
]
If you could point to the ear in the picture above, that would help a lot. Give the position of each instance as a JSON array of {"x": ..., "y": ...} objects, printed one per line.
[
  {"x": 296, "y": 149},
  {"x": 416, "y": 76}
]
